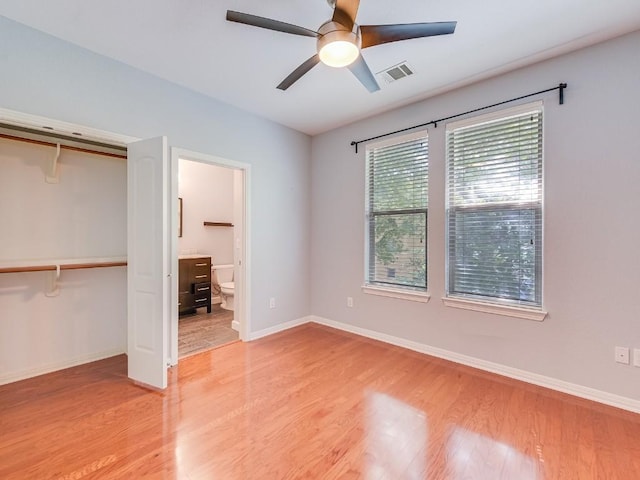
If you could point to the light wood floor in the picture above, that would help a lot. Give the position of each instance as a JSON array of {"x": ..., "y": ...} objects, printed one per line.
[
  {"x": 310, "y": 403},
  {"x": 203, "y": 331}
]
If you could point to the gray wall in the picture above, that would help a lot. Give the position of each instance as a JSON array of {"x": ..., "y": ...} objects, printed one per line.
[
  {"x": 591, "y": 226},
  {"x": 42, "y": 75}
]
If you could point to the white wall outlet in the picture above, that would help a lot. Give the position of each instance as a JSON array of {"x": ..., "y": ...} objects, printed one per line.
[
  {"x": 622, "y": 355},
  {"x": 272, "y": 303},
  {"x": 636, "y": 357},
  {"x": 350, "y": 302}
]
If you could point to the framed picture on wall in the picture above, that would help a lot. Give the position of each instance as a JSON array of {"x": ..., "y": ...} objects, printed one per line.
[{"x": 179, "y": 217}]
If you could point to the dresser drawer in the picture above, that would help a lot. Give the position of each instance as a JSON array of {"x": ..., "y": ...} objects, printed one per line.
[
  {"x": 201, "y": 271},
  {"x": 201, "y": 288},
  {"x": 201, "y": 301}
]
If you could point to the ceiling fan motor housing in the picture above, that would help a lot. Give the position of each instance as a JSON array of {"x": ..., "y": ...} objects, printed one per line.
[{"x": 334, "y": 34}]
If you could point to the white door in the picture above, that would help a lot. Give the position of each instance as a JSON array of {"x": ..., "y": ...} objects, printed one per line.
[{"x": 147, "y": 252}]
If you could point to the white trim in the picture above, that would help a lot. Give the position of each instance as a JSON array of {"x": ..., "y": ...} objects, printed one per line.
[
  {"x": 407, "y": 137},
  {"x": 242, "y": 308},
  {"x": 500, "y": 114},
  {"x": 55, "y": 366},
  {"x": 36, "y": 122},
  {"x": 404, "y": 294},
  {"x": 185, "y": 154},
  {"x": 280, "y": 327},
  {"x": 173, "y": 268},
  {"x": 581, "y": 391},
  {"x": 496, "y": 309}
]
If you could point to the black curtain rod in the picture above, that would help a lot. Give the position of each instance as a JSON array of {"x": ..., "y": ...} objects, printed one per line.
[{"x": 560, "y": 87}]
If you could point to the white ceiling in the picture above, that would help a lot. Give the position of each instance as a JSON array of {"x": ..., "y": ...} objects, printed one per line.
[{"x": 189, "y": 42}]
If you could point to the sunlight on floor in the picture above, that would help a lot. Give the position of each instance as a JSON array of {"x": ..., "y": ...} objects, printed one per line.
[
  {"x": 471, "y": 455},
  {"x": 395, "y": 438}
]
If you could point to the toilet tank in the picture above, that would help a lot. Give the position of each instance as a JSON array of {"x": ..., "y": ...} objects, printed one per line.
[{"x": 222, "y": 273}]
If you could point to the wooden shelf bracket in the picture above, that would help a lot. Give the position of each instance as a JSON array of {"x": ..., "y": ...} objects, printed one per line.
[
  {"x": 53, "y": 289},
  {"x": 53, "y": 176}
]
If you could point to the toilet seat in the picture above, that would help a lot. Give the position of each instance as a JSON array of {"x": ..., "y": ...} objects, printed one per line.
[{"x": 227, "y": 286}]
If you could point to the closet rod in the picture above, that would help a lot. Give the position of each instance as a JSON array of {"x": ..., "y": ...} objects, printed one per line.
[
  {"x": 69, "y": 266},
  {"x": 67, "y": 147}
]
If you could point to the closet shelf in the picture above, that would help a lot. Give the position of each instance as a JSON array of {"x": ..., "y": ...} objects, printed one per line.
[
  {"x": 218, "y": 224},
  {"x": 60, "y": 264}
]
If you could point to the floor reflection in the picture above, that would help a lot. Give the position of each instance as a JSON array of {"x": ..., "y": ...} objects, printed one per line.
[
  {"x": 395, "y": 438},
  {"x": 472, "y": 455}
]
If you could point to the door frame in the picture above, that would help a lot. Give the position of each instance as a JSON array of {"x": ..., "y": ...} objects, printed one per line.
[{"x": 242, "y": 310}]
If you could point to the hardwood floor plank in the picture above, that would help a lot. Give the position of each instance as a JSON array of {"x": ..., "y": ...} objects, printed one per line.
[{"x": 308, "y": 403}]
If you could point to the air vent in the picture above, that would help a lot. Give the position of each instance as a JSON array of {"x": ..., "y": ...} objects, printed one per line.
[{"x": 396, "y": 72}]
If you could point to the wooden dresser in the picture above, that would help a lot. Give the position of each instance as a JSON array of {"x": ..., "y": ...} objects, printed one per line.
[{"x": 194, "y": 284}]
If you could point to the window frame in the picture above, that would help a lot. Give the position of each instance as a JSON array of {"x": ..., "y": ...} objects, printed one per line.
[
  {"x": 482, "y": 303},
  {"x": 406, "y": 292}
]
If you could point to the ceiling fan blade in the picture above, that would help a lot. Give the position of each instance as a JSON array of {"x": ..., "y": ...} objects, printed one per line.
[
  {"x": 362, "y": 72},
  {"x": 299, "y": 72},
  {"x": 345, "y": 12},
  {"x": 379, "y": 34},
  {"x": 269, "y": 24}
]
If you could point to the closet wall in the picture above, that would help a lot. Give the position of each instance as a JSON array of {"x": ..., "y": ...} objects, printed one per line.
[{"x": 82, "y": 216}]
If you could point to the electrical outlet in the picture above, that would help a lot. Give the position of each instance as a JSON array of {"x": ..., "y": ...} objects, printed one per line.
[
  {"x": 350, "y": 302},
  {"x": 636, "y": 357},
  {"x": 622, "y": 355},
  {"x": 272, "y": 302}
]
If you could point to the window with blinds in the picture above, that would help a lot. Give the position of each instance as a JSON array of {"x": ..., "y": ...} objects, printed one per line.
[
  {"x": 397, "y": 199},
  {"x": 494, "y": 208}
]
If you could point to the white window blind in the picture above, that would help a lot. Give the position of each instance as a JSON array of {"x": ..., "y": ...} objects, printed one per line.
[
  {"x": 397, "y": 200},
  {"x": 494, "y": 214}
]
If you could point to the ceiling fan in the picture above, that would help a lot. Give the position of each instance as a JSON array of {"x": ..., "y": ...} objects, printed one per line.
[{"x": 341, "y": 39}]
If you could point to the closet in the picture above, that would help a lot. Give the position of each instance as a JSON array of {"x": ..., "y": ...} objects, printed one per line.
[{"x": 63, "y": 251}]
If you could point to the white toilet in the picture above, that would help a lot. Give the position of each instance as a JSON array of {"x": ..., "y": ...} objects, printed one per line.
[{"x": 223, "y": 275}]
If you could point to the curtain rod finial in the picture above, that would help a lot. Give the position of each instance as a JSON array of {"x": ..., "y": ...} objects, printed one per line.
[{"x": 561, "y": 88}]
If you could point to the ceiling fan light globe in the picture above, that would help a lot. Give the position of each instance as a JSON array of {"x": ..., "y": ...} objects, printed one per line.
[
  {"x": 339, "y": 53},
  {"x": 337, "y": 46}
]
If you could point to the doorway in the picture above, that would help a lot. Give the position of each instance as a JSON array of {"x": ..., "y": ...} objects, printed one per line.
[
  {"x": 210, "y": 199},
  {"x": 206, "y": 228}
]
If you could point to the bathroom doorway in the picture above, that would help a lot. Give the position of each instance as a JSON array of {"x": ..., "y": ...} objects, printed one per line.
[{"x": 210, "y": 252}]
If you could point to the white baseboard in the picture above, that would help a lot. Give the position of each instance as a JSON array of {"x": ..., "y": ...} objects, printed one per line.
[
  {"x": 235, "y": 324},
  {"x": 600, "y": 396},
  {"x": 55, "y": 366},
  {"x": 280, "y": 327}
]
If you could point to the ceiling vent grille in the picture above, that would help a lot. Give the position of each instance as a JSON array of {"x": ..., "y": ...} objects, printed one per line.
[{"x": 396, "y": 72}]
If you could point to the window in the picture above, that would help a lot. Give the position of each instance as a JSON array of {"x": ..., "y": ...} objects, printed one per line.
[
  {"x": 494, "y": 208},
  {"x": 397, "y": 213}
]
